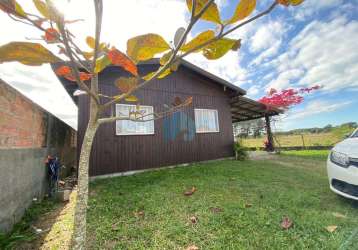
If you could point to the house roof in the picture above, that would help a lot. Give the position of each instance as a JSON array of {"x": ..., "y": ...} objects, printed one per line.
[
  {"x": 245, "y": 109},
  {"x": 242, "y": 108},
  {"x": 204, "y": 73}
]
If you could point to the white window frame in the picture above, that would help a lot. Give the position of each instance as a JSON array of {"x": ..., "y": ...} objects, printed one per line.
[
  {"x": 137, "y": 133},
  {"x": 208, "y": 131}
]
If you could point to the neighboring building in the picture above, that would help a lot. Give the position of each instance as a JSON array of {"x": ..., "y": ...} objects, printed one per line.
[
  {"x": 202, "y": 131},
  {"x": 27, "y": 135}
]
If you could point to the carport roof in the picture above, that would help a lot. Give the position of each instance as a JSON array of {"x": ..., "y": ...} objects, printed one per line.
[{"x": 245, "y": 109}]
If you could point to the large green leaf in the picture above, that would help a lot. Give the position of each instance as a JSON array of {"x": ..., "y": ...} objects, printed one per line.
[
  {"x": 199, "y": 40},
  {"x": 243, "y": 10},
  {"x": 33, "y": 54},
  {"x": 220, "y": 47},
  {"x": 211, "y": 14},
  {"x": 145, "y": 47}
]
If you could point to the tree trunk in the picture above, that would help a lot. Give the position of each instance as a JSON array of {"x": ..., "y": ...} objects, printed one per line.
[{"x": 79, "y": 237}]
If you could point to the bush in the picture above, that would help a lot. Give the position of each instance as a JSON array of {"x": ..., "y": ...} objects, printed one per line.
[{"x": 240, "y": 151}]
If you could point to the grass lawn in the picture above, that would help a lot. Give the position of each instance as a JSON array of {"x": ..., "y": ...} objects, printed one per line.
[
  {"x": 237, "y": 205},
  {"x": 309, "y": 154},
  {"x": 322, "y": 139}
]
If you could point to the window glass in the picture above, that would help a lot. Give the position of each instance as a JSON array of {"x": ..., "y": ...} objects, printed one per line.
[
  {"x": 134, "y": 128},
  {"x": 206, "y": 120}
]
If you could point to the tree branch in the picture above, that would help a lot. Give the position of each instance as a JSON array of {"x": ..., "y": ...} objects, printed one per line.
[
  {"x": 141, "y": 118},
  {"x": 74, "y": 68},
  {"x": 223, "y": 34},
  {"x": 193, "y": 20}
]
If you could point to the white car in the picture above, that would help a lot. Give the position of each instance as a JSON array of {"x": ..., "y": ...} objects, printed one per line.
[{"x": 342, "y": 167}]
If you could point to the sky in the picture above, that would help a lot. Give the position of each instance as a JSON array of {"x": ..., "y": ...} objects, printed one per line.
[{"x": 311, "y": 44}]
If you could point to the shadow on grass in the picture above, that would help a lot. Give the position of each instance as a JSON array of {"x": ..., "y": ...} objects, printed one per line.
[{"x": 47, "y": 224}]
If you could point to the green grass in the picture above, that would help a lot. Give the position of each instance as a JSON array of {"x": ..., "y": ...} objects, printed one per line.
[
  {"x": 292, "y": 186},
  {"x": 309, "y": 139},
  {"x": 309, "y": 154},
  {"x": 22, "y": 231}
]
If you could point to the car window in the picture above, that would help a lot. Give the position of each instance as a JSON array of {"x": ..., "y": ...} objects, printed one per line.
[{"x": 355, "y": 134}]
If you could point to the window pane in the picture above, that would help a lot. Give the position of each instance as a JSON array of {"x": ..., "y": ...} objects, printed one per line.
[
  {"x": 206, "y": 120},
  {"x": 131, "y": 127}
]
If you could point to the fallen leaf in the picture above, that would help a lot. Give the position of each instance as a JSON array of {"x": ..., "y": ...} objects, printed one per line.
[
  {"x": 331, "y": 229},
  {"x": 194, "y": 219},
  {"x": 286, "y": 223},
  {"x": 192, "y": 247},
  {"x": 216, "y": 209},
  {"x": 190, "y": 192},
  {"x": 247, "y": 205},
  {"x": 339, "y": 215},
  {"x": 139, "y": 213}
]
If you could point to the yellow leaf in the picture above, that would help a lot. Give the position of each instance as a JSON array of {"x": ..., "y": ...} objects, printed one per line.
[
  {"x": 125, "y": 84},
  {"x": 165, "y": 58},
  {"x": 26, "y": 53},
  {"x": 243, "y": 10},
  {"x": 12, "y": 7},
  {"x": 211, "y": 14},
  {"x": 42, "y": 8},
  {"x": 296, "y": 2},
  {"x": 219, "y": 48},
  {"x": 19, "y": 10},
  {"x": 199, "y": 40},
  {"x": 174, "y": 67},
  {"x": 145, "y": 47},
  {"x": 88, "y": 55},
  {"x": 90, "y": 42},
  {"x": 161, "y": 76},
  {"x": 331, "y": 229},
  {"x": 131, "y": 98},
  {"x": 102, "y": 63}
]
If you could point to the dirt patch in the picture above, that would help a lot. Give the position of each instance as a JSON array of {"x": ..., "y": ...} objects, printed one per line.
[{"x": 56, "y": 227}]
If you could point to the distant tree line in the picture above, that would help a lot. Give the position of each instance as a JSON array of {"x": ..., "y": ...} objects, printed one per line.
[
  {"x": 326, "y": 129},
  {"x": 256, "y": 128}
]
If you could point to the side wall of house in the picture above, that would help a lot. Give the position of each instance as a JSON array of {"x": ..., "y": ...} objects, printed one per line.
[
  {"x": 175, "y": 140},
  {"x": 23, "y": 148}
]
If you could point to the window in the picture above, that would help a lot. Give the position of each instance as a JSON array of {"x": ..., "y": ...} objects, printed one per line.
[
  {"x": 206, "y": 120},
  {"x": 134, "y": 128}
]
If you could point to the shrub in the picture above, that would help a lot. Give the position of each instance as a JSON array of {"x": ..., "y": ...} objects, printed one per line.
[{"x": 240, "y": 151}]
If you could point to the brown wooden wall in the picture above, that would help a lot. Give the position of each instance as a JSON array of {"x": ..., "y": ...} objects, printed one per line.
[{"x": 112, "y": 153}]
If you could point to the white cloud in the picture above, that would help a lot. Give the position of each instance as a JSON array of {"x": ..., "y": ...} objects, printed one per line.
[
  {"x": 227, "y": 67},
  {"x": 285, "y": 79},
  {"x": 309, "y": 8},
  {"x": 253, "y": 91},
  {"x": 326, "y": 52},
  {"x": 316, "y": 107}
]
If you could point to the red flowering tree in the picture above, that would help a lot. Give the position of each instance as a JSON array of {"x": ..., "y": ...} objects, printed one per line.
[
  {"x": 283, "y": 100},
  {"x": 286, "y": 98}
]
